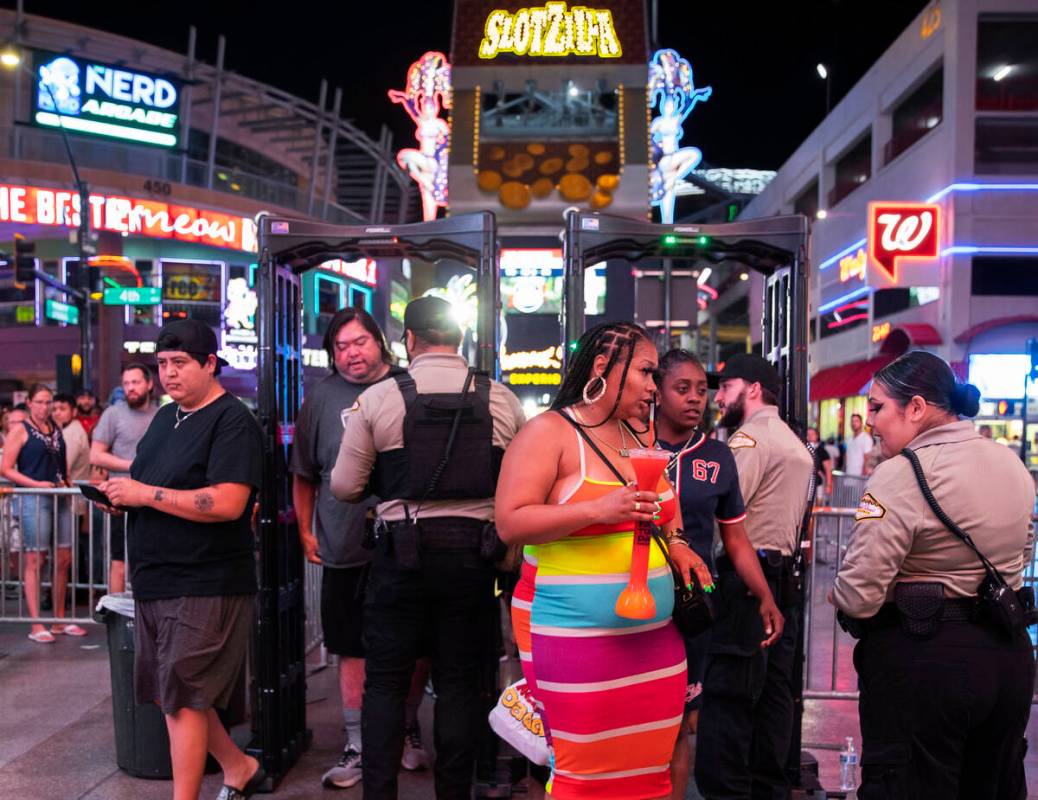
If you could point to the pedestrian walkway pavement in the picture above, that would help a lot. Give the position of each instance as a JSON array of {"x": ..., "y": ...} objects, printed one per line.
[{"x": 57, "y": 740}]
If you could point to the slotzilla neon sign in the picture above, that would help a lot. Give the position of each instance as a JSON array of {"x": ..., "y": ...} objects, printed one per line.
[
  {"x": 551, "y": 30},
  {"x": 33, "y": 205}
]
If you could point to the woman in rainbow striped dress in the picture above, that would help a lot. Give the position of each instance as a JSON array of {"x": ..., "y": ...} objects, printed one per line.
[{"x": 611, "y": 690}]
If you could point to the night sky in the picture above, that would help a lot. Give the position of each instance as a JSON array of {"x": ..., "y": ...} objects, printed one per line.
[{"x": 759, "y": 57}]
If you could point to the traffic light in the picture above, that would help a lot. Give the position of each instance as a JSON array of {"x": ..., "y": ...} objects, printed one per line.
[{"x": 24, "y": 260}]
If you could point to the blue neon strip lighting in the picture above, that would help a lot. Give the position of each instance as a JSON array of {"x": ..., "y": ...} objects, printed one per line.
[
  {"x": 366, "y": 292},
  {"x": 318, "y": 277},
  {"x": 953, "y": 187},
  {"x": 841, "y": 300},
  {"x": 836, "y": 258},
  {"x": 971, "y": 249}
]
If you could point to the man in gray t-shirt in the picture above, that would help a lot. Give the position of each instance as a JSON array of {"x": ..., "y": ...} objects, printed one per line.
[
  {"x": 113, "y": 449},
  {"x": 359, "y": 357}
]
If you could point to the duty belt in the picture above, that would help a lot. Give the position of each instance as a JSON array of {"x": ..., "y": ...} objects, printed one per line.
[
  {"x": 769, "y": 559},
  {"x": 955, "y": 609},
  {"x": 440, "y": 533}
]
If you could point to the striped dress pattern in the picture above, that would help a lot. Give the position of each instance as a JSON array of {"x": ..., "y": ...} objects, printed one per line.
[{"x": 610, "y": 690}]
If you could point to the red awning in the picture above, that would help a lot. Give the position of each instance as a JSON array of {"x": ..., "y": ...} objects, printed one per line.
[
  {"x": 970, "y": 334},
  {"x": 903, "y": 337},
  {"x": 846, "y": 380}
]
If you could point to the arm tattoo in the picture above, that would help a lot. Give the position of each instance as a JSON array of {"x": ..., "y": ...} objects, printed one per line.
[
  {"x": 204, "y": 501},
  {"x": 159, "y": 495}
]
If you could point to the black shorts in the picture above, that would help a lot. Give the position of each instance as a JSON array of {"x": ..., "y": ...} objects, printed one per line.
[
  {"x": 190, "y": 651},
  {"x": 342, "y": 609},
  {"x": 695, "y": 656}
]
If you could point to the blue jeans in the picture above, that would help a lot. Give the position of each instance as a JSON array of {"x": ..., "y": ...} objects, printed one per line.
[{"x": 39, "y": 531}]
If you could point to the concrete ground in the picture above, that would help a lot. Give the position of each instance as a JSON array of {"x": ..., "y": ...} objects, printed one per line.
[{"x": 57, "y": 741}]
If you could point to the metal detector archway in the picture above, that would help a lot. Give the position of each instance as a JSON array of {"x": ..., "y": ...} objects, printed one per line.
[
  {"x": 775, "y": 247},
  {"x": 289, "y": 247}
]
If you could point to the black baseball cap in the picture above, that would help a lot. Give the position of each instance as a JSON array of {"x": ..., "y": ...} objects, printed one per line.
[
  {"x": 191, "y": 336},
  {"x": 752, "y": 369},
  {"x": 430, "y": 314}
]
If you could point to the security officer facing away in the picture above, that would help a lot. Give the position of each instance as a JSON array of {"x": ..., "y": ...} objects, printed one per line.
[
  {"x": 429, "y": 444},
  {"x": 746, "y": 721},
  {"x": 945, "y": 679}
]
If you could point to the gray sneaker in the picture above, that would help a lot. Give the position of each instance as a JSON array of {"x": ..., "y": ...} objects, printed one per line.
[
  {"x": 414, "y": 757},
  {"x": 346, "y": 773}
]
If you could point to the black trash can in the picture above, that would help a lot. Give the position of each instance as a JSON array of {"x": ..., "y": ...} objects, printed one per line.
[{"x": 141, "y": 738}]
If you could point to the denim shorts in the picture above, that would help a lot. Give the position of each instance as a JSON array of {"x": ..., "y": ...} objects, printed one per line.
[{"x": 36, "y": 515}]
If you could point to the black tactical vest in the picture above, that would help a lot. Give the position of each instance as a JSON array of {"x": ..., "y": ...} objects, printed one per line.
[{"x": 472, "y": 469}]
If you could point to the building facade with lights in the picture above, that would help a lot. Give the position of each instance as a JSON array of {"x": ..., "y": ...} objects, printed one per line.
[
  {"x": 923, "y": 186},
  {"x": 179, "y": 156}
]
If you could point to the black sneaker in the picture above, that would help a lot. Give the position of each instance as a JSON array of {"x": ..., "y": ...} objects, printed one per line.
[{"x": 414, "y": 757}]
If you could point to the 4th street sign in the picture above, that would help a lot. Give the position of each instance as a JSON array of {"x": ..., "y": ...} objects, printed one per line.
[{"x": 133, "y": 296}]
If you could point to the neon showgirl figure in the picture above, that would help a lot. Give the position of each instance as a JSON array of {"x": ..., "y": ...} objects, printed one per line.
[
  {"x": 672, "y": 91},
  {"x": 428, "y": 87}
]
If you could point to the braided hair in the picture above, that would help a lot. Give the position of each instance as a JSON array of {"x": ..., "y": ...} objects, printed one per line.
[{"x": 614, "y": 339}]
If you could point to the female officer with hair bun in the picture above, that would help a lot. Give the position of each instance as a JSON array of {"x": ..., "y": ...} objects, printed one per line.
[{"x": 945, "y": 693}]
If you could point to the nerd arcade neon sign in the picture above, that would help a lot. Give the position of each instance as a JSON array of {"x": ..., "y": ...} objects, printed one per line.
[{"x": 104, "y": 100}]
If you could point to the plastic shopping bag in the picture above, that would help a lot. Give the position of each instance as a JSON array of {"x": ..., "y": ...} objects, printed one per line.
[{"x": 516, "y": 720}]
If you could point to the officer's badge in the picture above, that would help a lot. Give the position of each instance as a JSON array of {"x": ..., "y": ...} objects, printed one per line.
[
  {"x": 869, "y": 508},
  {"x": 741, "y": 439}
]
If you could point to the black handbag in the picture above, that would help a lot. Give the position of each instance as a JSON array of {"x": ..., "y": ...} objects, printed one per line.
[{"x": 693, "y": 613}]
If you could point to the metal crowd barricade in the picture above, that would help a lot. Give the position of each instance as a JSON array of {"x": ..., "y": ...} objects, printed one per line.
[
  {"x": 847, "y": 490},
  {"x": 32, "y": 523},
  {"x": 312, "y": 631},
  {"x": 829, "y": 672}
]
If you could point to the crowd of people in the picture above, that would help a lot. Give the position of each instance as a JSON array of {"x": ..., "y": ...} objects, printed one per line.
[{"x": 412, "y": 489}]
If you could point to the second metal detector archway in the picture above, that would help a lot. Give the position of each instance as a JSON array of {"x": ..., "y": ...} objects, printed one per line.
[
  {"x": 289, "y": 247},
  {"x": 775, "y": 247}
]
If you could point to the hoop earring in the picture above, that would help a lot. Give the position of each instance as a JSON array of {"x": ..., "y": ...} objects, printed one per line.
[{"x": 588, "y": 400}]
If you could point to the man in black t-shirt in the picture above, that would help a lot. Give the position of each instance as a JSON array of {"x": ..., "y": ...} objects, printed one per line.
[{"x": 190, "y": 494}]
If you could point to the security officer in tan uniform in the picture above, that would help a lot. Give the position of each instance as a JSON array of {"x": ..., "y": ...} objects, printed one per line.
[
  {"x": 945, "y": 692},
  {"x": 746, "y": 722},
  {"x": 429, "y": 443}
]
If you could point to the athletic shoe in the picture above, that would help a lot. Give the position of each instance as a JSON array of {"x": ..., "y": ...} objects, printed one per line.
[
  {"x": 414, "y": 757},
  {"x": 346, "y": 773}
]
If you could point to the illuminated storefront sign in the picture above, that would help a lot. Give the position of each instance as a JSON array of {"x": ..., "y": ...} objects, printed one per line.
[
  {"x": 673, "y": 95},
  {"x": 551, "y": 30},
  {"x": 853, "y": 266},
  {"x": 105, "y": 100},
  {"x": 364, "y": 270},
  {"x": 902, "y": 231},
  {"x": 239, "y": 325},
  {"x": 880, "y": 332},
  {"x": 428, "y": 87},
  {"x": 33, "y": 205},
  {"x": 531, "y": 282},
  {"x": 548, "y": 358},
  {"x": 534, "y": 378}
]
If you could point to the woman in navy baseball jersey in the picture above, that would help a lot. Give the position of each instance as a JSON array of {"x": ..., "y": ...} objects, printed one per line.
[{"x": 704, "y": 476}]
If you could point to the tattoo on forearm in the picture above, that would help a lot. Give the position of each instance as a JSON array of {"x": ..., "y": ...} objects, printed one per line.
[
  {"x": 159, "y": 495},
  {"x": 204, "y": 502}
]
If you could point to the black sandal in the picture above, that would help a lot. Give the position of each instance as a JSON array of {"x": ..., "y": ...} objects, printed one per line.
[{"x": 246, "y": 791}]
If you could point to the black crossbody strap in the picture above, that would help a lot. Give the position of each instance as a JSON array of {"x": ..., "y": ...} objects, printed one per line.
[
  {"x": 583, "y": 434},
  {"x": 947, "y": 521}
]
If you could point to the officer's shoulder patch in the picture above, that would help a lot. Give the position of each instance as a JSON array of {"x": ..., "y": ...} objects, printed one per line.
[
  {"x": 869, "y": 508},
  {"x": 345, "y": 413},
  {"x": 741, "y": 439}
]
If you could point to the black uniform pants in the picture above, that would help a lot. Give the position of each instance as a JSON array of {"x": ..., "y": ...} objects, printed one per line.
[
  {"x": 444, "y": 609},
  {"x": 746, "y": 722},
  {"x": 944, "y": 717}
]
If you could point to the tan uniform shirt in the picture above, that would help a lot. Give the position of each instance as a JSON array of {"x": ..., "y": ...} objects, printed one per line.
[
  {"x": 375, "y": 424},
  {"x": 774, "y": 475},
  {"x": 981, "y": 486}
]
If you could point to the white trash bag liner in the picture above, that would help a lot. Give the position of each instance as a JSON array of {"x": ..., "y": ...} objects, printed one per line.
[{"x": 516, "y": 720}]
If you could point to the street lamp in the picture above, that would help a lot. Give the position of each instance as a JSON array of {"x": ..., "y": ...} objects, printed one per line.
[
  {"x": 823, "y": 73},
  {"x": 11, "y": 58}
]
